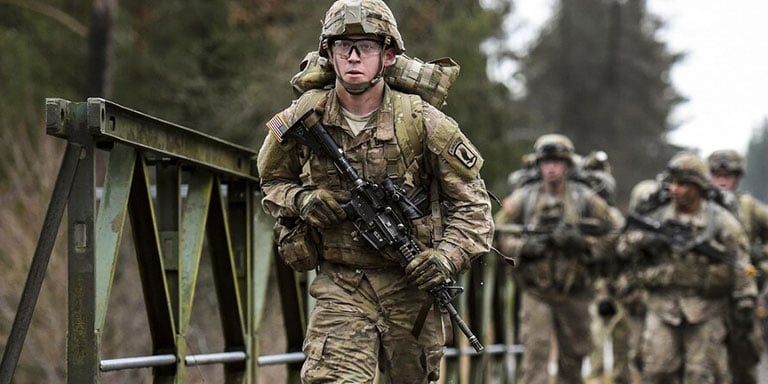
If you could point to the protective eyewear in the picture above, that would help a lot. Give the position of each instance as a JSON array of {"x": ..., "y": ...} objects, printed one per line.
[{"x": 364, "y": 47}]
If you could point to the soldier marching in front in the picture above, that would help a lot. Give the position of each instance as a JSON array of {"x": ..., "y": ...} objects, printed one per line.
[{"x": 374, "y": 312}]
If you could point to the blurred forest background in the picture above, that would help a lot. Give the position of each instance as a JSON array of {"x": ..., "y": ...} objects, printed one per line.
[{"x": 597, "y": 73}]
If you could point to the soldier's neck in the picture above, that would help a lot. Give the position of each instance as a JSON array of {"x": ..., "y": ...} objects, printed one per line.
[
  {"x": 364, "y": 103},
  {"x": 689, "y": 207},
  {"x": 554, "y": 187}
]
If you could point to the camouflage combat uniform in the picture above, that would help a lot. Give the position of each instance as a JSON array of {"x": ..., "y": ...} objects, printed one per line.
[
  {"x": 745, "y": 350},
  {"x": 557, "y": 287},
  {"x": 688, "y": 292},
  {"x": 365, "y": 308}
]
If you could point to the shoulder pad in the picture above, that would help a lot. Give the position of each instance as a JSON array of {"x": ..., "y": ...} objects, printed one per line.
[{"x": 306, "y": 101}]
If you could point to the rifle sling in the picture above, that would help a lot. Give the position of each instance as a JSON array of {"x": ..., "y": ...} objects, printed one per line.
[{"x": 418, "y": 325}]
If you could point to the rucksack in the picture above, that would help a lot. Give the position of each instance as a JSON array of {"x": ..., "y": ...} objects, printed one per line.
[{"x": 431, "y": 80}]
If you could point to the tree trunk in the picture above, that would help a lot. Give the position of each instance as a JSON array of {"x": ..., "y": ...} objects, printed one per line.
[{"x": 99, "y": 79}]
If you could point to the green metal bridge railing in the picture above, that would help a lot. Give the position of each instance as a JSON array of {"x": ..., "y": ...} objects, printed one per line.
[{"x": 178, "y": 188}]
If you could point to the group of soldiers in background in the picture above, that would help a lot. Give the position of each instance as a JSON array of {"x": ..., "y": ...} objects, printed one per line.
[{"x": 675, "y": 282}]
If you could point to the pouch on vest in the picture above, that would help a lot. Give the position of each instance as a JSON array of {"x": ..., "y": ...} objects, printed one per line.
[
  {"x": 431, "y": 80},
  {"x": 297, "y": 244}
]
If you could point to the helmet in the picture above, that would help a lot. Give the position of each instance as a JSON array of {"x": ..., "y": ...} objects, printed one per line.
[
  {"x": 690, "y": 168},
  {"x": 553, "y": 146},
  {"x": 351, "y": 17},
  {"x": 726, "y": 160}
]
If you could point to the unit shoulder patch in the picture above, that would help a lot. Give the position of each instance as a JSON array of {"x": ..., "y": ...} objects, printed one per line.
[{"x": 463, "y": 152}]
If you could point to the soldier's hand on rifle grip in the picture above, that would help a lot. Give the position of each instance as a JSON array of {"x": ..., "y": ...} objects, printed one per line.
[
  {"x": 429, "y": 269},
  {"x": 534, "y": 247},
  {"x": 322, "y": 208}
]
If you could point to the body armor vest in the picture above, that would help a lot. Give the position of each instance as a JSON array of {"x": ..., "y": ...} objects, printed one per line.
[{"x": 391, "y": 146}]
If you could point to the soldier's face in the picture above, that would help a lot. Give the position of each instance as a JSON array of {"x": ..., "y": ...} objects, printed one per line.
[
  {"x": 358, "y": 57},
  {"x": 727, "y": 181},
  {"x": 552, "y": 170},
  {"x": 686, "y": 196}
]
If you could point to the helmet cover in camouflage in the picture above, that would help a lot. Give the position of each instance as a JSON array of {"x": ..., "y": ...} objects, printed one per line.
[
  {"x": 726, "y": 161},
  {"x": 553, "y": 146},
  {"x": 687, "y": 167},
  {"x": 360, "y": 17}
]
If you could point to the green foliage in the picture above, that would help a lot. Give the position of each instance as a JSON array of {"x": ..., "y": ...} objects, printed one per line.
[
  {"x": 484, "y": 110},
  {"x": 38, "y": 57},
  {"x": 599, "y": 75}
]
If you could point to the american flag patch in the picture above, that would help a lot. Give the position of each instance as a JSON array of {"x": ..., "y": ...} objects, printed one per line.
[{"x": 277, "y": 127}]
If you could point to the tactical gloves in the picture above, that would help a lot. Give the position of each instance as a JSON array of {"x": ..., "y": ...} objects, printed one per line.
[
  {"x": 429, "y": 269},
  {"x": 322, "y": 208}
]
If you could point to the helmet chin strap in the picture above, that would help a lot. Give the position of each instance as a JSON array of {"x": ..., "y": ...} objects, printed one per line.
[{"x": 360, "y": 88}]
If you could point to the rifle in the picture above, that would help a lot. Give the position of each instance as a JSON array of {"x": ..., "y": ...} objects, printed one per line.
[
  {"x": 680, "y": 237},
  {"x": 382, "y": 213},
  {"x": 551, "y": 224}
]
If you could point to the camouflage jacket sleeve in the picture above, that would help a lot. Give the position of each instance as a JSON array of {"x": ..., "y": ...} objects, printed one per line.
[
  {"x": 734, "y": 238},
  {"x": 757, "y": 213},
  {"x": 280, "y": 168},
  {"x": 456, "y": 164}
]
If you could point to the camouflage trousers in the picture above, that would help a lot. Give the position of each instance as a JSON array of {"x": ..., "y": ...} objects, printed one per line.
[
  {"x": 363, "y": 319},
  {"x": 564, "y": 318},
  {"x": 684, "y": 353}
]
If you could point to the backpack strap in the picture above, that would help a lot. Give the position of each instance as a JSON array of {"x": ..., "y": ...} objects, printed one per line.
[
  {"x": 409, "y": 126},
  {"x": 531, "y": 197},
  {"x": 410, "y": 132}
]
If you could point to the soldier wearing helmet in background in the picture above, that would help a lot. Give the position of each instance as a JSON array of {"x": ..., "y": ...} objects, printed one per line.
[
  {"x": 556, "y": 230},
  {"x": 744, "y": 349},
  {"x": 691, "y": 256},
  {"x": 370, "y": 312}
]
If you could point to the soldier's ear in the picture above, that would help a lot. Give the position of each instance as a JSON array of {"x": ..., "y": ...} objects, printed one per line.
[{"x": 390, "y": 54}]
